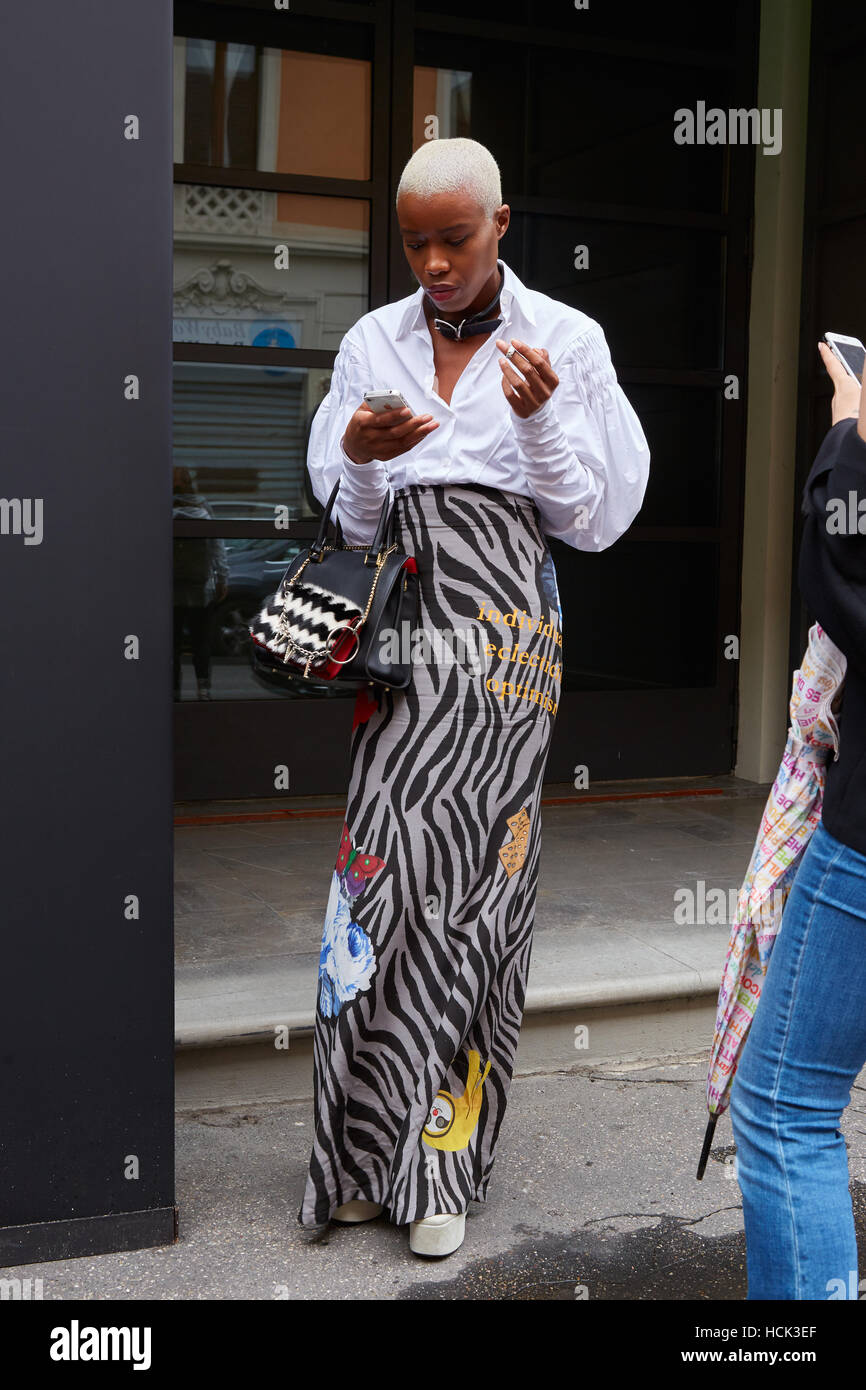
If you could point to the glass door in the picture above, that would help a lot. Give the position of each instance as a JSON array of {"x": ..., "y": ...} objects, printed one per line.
[{"x": 290, "y": 134}]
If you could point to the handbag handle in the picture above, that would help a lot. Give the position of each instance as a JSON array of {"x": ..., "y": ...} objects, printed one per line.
[{"x": 383, "y": 538}]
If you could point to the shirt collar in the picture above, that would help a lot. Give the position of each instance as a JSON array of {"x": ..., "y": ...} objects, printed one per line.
[{"x": 514, "y": 294}]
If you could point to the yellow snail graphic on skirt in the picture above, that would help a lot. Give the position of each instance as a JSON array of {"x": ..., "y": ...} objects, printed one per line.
[{"x": 451, "y": 1122}]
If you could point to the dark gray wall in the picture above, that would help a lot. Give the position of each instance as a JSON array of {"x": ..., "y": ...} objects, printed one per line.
[{"x": 86, "y": 988}]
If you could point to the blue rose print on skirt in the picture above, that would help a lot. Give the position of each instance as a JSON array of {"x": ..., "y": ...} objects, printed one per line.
[
  {"x": 549, "y": 585},
  {"x": 347, "y": 962}
]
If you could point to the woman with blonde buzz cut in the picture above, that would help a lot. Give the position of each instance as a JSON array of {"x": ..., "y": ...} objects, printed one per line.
[{"x": 516, "y": 430}]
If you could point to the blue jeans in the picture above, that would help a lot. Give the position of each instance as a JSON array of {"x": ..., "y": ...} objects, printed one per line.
[{"x": 804, "y": 1050}]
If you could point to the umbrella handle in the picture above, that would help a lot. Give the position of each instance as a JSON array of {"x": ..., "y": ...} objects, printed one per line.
[{"x": 705, "y": 1151}]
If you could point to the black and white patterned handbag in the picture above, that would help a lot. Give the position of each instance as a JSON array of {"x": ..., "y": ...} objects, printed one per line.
[{"x": 334, "y": 608}]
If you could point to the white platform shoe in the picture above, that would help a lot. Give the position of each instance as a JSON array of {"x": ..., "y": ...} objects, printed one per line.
[
  {"x": 352, "y": 1212},
  {"x": 437, "y": 1235}
]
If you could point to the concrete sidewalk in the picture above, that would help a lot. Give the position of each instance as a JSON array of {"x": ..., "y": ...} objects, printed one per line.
[
  {"x": 593, "y": 1196},
  {"x": 608, "y": 949}
]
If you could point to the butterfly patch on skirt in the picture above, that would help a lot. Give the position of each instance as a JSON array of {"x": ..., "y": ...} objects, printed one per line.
[{"x": 354, "y": 867}]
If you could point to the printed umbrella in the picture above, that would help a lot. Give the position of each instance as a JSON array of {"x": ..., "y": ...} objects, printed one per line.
[{"x": 792, "y": 811}]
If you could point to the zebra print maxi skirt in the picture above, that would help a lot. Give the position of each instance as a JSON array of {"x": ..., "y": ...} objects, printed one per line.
[{"x": 428, "y": 931}]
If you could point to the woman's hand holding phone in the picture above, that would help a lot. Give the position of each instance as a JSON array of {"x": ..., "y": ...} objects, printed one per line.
[
  {"x": 847, "y": 397},
  {"x": 370, "y": 435}
]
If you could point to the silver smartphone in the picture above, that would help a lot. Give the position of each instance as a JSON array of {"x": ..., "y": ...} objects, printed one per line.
[
  {"x": 850, "y": 351},
  {"x": 380, "y": 401}
]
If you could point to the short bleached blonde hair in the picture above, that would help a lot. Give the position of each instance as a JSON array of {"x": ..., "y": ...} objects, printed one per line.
[{"x": 455, "y": 165}]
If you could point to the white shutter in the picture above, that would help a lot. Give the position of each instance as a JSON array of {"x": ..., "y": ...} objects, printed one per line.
[{"x": 244, "y": 440}]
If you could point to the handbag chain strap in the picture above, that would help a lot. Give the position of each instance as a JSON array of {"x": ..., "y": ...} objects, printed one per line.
[{"x": 293, "y": 647}]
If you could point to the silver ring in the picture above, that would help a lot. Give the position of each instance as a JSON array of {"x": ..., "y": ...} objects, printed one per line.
[
  {"x": 329, "y": 649},
  {"x": 511, "y": 351}
]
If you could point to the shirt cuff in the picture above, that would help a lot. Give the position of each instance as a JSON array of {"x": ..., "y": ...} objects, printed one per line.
[
  {"x": 540, "y": 436},
  {"x": 368, "y": 477},
  {"x": 530, "y": 424},
  {"x": 351, "y": 462},
  {"x": 363, "y": 489}
]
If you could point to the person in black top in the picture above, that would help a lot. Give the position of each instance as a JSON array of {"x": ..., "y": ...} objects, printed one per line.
[
  {"x": 807, "y": 1043},
  {"x": 832, "y": 577}
]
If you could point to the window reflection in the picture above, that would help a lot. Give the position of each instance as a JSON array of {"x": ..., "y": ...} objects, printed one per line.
[
  {"x": 238, "y": 106},
  {"x": 241, "y": 432},
  {"x": 220, "y": 584},
  {"x": 441, "y": 102},
  {"x": 255, "y": 268}
]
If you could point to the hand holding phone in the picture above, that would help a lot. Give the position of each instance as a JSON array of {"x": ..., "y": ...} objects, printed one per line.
[
  {"x": 850, "y": 352},
  {"x": 380, "y": 401},
  {"x": 839, "y": 355},
  {"x": 384, "y": 427}
]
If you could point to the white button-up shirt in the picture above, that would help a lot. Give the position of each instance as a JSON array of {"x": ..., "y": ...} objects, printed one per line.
[{"x": 582, "y": 457}]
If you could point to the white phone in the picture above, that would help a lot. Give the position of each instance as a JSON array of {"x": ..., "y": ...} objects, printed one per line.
[
  {"x": 380, "y": 401},
  {"x": 850, "y": 351}
]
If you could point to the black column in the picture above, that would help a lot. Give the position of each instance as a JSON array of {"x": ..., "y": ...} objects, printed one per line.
[{"x": 86, "y": 982}]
